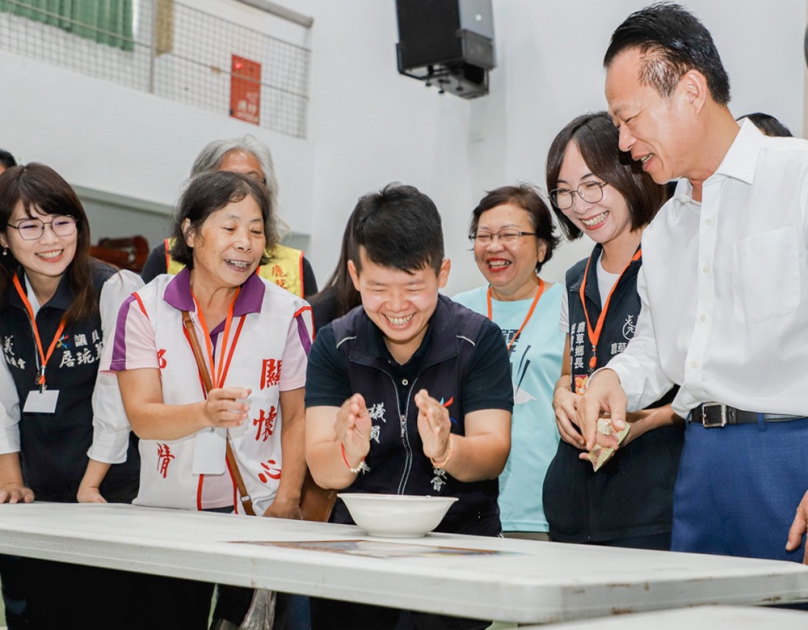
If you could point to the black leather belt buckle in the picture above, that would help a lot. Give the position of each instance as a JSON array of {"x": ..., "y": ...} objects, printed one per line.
[{"x": 716, "y": 415}]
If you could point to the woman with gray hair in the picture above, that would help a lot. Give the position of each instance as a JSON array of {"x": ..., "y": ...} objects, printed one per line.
[
  {"x": 287, "y": 267},
  {"x": 218, "y": 152}
]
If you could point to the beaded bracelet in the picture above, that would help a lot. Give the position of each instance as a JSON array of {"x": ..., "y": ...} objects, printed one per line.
[
  {"x": 359, "y": 467},
  {"x": 449, "y": 453}
]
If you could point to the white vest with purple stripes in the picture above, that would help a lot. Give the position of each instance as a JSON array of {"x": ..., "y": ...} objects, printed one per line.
[{"x": 167, "y": 478}]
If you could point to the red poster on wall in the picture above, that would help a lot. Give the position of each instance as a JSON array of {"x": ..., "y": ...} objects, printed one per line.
[{"x": 245, "y": 90}]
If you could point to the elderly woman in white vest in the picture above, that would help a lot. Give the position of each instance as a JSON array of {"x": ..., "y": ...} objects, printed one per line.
[{"x": 223, "y": 419}]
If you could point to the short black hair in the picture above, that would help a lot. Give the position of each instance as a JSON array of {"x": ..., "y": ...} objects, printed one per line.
[
  {"x": 6, "y": 159},
  {"x": 398, "y": 227},
  {"x": 211, "y": 192},
  {"x": 769, "y": 125},
  {"x": 525, "y": 197},
  {"x": 673, "y": 42},
  {"x": 597, "y": 140}
]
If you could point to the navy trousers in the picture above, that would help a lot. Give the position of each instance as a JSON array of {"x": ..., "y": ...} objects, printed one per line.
[{"x": 739, "y": 487}]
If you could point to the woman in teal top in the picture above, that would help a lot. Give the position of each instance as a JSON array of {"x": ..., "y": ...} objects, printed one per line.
[{"x": 512, "y": 234}]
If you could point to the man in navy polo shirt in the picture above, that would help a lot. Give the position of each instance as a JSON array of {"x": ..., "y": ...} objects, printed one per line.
[{"x": 409, "y": 393}]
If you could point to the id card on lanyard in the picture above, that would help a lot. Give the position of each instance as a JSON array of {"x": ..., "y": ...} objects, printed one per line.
[
  {"x": 42, "y": 400},
  {"x": 210, "y": 448}
]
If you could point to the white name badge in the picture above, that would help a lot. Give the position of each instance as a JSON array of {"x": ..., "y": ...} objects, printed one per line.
[
  {"x": 210, "y": 452},
  {"x": 41, "y": 402}
]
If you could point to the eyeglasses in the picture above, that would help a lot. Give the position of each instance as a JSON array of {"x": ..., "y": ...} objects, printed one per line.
[
  {"x": 33, "y": 229},
  {"x": 590, "y": 192},
  {"x": 505, "y": 236}
]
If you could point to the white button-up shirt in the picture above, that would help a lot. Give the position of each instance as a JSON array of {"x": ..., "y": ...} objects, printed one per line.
[{"x": 724, "y": 287}]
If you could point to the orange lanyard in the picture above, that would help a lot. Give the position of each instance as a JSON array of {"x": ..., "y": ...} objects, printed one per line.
[
  {"x": 594, "y": 335},
  {"x": 529, "y": 313},
  {"x": 224, "y": 365},
  {"x": 43, "y": 358}
]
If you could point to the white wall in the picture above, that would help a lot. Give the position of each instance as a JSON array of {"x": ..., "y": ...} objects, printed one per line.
[{"x": 369, "y": 126}]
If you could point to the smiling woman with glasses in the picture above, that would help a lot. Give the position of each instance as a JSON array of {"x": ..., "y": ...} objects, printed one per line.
[
  {"x": 512, "y": 236},
  {"x": 627, "y": 501},
  {"x": 66, "y": 437}
]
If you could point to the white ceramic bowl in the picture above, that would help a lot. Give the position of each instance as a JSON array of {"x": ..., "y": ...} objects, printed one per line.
[{"x": 396, "y": 515}]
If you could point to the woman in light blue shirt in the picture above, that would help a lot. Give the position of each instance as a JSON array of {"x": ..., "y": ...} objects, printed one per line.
[{"x": 512, "y": 234}]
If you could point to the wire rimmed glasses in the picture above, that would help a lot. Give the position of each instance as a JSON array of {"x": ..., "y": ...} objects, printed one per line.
[
  {"x": 590, "y": 192},
  {"x": 504, "y": 236},
  {"x": 33, "y": 229}
]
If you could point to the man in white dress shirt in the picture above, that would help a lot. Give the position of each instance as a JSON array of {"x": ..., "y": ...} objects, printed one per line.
[{"x": 724, "y": 288}]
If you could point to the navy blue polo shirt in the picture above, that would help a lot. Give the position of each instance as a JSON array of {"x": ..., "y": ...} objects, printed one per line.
[{"x": 462, "y": 360}]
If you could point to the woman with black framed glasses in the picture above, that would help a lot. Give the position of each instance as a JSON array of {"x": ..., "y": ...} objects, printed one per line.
[
  {"x": 625, "y": 501},
  {"x": 512, "y": 236},
  {"x": 63, "y": 432}
]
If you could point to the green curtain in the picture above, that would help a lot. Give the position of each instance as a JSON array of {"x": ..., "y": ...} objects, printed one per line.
[{"x": 104, "y": 21}]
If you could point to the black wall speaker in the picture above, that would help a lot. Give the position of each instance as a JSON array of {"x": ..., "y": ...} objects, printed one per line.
[{"x": 447, "y": 43}]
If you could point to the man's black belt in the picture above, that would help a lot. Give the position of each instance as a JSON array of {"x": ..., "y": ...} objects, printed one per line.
[{"x": 713, "y": 415}]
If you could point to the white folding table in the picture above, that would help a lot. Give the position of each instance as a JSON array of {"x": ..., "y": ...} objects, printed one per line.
[{"x": 487, "y": 578}]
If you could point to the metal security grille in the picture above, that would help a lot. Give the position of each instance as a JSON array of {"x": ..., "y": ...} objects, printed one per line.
[{"x": 176, "y": 52}]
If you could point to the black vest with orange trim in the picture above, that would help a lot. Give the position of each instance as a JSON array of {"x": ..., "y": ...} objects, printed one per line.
[
  {"x": 632, "y": 494},
  {"x": 54, "y": 445}
]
